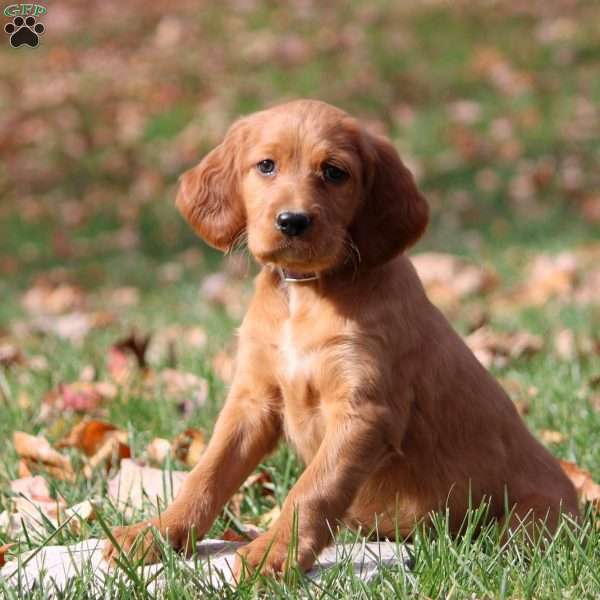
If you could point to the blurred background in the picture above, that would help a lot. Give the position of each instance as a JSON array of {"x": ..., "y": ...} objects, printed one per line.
[{"x": 493, "y": 105}]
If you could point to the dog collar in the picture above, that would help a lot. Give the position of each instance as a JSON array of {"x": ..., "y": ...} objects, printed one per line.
[{"x": 296, "y": 277}]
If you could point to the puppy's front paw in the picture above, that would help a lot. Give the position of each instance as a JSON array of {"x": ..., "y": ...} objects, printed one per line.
[
  {"x": 271, "y": 554},
  {"x": 140, "y": 542}
]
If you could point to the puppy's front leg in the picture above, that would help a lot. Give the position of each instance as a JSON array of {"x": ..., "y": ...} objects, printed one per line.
[
  {"x": 351, "y": 447},
  {"x": 247, "y": 429}
]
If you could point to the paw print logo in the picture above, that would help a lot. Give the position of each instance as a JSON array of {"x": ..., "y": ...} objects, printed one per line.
[{"x": 24, "y": 31}]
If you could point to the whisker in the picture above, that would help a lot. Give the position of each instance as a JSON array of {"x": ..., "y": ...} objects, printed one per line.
[
  {"x": 353, "y": 254},
  {"x": 239, "y": 242}
]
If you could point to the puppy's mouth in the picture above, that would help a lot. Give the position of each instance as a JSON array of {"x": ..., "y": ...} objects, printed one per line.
[{"x": 297, "y": 258}]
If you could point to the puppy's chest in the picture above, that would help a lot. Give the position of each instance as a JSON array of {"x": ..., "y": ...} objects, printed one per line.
[{"x": 312, "y": 363}]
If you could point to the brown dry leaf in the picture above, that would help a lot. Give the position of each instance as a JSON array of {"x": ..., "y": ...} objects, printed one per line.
[
  {"x": 448, "y": 279},
  {"x": 189, "y": 390},
  {"x": 47, "y": 299},
  {"x": 23, "y": 469},
  {"x": 494, "y": 347},
  {"x": 262, "y": 478},
  {"x": 520, "y": 396},
  {"x": 74, "y": 326},
  {"x": 77, "y": 515},
  {"x": 89, "y": 435},
  {"x": 158, "y": 450},
  {"x": 31, "y": 500},
  {"x": 102, "y": 442},
  {"x": 549, "y": 436},
  {"x": 547, "y": 277},
  {"x": 110, "y": 453},
  {"x": 136, "y": 485},
  {"x": 169, "y": 341},
  {"x": 179, "y": 383},
  {"x": 127, "y": 356},
  {"x": 38, "y": 453},
  {"x": 80, "y": 396},
  {"x": 230, "y": 535},
  {"x": 3, "y": 551},
  {"x": 10, "y": 355},
  {"x": 247, "y": 533},
  {"x": 120, "y": 365},
  {"x": 587, "y": 489},
  {"x": 188, "y": 446},
  {"x": 137, "y": 345},
  {"x": 124, "y": 297},
  {"x": 34, "y": 488}
]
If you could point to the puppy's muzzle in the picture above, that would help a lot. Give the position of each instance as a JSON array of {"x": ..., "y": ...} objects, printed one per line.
[{"x": 292, "y": 224}]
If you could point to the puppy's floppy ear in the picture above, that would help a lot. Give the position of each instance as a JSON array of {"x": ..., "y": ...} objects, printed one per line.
[
  {"x": 209, "y": 194},
  {"x": 394, "y": 214}
]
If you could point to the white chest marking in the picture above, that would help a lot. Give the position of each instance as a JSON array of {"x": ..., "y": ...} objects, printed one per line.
[{"x": 295, "y": 361}]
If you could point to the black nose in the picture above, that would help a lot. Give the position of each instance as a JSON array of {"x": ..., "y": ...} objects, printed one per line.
[{"x": 291, "y": 224}]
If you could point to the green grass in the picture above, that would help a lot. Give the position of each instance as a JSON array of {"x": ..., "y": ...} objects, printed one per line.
[{"x": 86, "y": 197}]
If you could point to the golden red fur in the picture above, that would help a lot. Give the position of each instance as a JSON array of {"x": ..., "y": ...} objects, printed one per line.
[{"x": 390, "y": 411}]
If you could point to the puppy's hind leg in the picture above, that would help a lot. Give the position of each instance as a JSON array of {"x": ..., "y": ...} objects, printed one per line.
[{"x": 537, "y": 516}]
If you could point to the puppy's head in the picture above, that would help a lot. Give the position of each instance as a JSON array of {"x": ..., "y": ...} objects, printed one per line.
[{"x": 308, "y": 186}]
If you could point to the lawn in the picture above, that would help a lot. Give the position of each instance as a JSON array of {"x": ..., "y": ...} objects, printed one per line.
[{"x": 495, "y": 109}]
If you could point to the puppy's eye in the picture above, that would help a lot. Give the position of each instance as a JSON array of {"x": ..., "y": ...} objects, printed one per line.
[
  {"x": 266, "y": 167},
  {"x": 334, "y": 174}
]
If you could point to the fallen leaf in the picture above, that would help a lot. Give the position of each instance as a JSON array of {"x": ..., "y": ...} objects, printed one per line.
[
  {"x": 137, "y": 345},
  {"x": 547, "y": 277},
  {"x": 35, "y": 488},
  {"x": 158, "y": 450},
  {"x": 587, "y": 489},
  {"x": 230, "y": 535},
  {"x": 520, "y": 396},
  {"x": 89, "y": 435},
  {"x": 45, "y": 298},
  {"x": 80, "y": 396},
  {"x": 73, "y": 326},
  {"x": 77, "y": 515},
  {"x": 31, "y": 503},
  {"x": 549, "y": 436},
  {"x": 127, "y": 356},
  {"x": 187, "y": 389},
  {"x": 120, "y": 365},
  {"x": 37, "y": 452},
  {"x": 245, "y": 533},
  {"x": 136, "y": 485},
  {"x": 3, "y": 550},
  {"x": 125, "y": 297},
  {"x": 102, "y": 442},
  {"x": 188, "y": 446},
  {"x": 10, "y": 355},
  {"x": 262, "y": 478},
  {"x": 493, "y": 347},
  {"x": 448, "y": 279},
  {"x": 23, "y": 469}
]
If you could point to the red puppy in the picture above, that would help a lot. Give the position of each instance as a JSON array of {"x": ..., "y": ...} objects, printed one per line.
[{"x": 341, "y": 351}]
